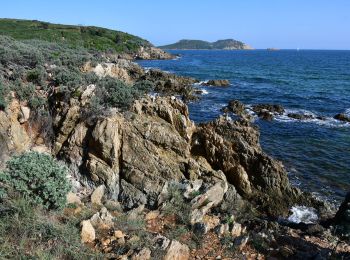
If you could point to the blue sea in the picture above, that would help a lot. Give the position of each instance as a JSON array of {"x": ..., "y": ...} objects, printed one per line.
[{"x": 316, "y": 153}]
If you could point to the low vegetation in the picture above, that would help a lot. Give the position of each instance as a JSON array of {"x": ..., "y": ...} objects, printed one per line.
[
  {"x": 89, "y": 37},
  {"x": 37, "y": 178}
]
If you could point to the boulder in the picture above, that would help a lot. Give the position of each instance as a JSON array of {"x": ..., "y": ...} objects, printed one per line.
[
  {"x": 87, "y": 232},
  {"x": 97, "y": 195},
  {"x": 177, "y": 251}
]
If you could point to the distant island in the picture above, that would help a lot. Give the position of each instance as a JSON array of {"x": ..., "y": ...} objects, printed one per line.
[{"x": 228, "y": 44}]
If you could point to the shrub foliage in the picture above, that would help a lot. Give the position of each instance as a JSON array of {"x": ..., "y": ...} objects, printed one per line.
[{"x": 38, "y": 178}]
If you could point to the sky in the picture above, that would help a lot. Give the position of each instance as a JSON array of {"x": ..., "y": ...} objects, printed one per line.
[{"x": 285, "y": 24}]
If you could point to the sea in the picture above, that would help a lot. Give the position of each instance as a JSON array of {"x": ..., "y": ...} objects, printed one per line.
[{"x": 315, "y": 152}]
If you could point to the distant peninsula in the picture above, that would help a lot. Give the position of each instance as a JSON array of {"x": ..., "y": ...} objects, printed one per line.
[{"x": 228, "y": 44}]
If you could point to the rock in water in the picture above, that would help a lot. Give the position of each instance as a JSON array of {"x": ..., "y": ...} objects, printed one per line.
[
  {"x": 342, "y": 117},
  {"x": 218, "y": 83},
  {"x": 234, "y": 106}
]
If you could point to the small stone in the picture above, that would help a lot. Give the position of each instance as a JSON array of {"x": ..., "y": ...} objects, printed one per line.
[
  {"x": 87, "y": 232},
  {"x": 236, "y": 230},
  {"x": 97, "y": 195},
  {"x": 118, "y": 234}
]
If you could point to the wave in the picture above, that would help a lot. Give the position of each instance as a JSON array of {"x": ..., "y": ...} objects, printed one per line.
[
  {"x": 204, "y": 91},
  {"x": 303, "y": 214}
]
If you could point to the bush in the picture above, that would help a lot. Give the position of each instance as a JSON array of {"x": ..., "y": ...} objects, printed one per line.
[
  {"x": 24, "y": 92},
  {"x": 38, "y": 178},
  {"x": 4, "y": 91},
  {"x": 37, "y": 75}
]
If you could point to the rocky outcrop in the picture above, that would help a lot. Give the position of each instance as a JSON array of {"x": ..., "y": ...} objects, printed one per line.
[
  {"x": 169, "y": 83},
  {"x": 15, "y": 136},
  {"x": 233, "y": 147}
]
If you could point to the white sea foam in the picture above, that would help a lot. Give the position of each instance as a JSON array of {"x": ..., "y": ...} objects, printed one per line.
[
  {"x": 325, "y": 121},
  {"x": 204, "y": 91},
  {"x": 303, "y": 214},
  {"x": 200, "y": 83}
]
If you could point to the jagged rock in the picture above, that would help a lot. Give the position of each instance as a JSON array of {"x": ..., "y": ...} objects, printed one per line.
[
  {"x": 342, "y": 117},
  {"x": 97, "y": 195},
  {"x": 222, "y": 229},
  {"x": 204, "y": 202},
  {"x": 102, "y": 219},
  {"x": 233, "y": 147},
  {"x": 13, "y": 136},
  {"x": 172, "y": 110},
  {"x": 106, "y": 140},
  {"x": 177, "y": 251},
  {"x": 87, "y": 232}
]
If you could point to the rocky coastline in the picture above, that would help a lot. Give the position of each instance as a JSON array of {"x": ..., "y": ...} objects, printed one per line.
[{"x": 201, "y": 191}]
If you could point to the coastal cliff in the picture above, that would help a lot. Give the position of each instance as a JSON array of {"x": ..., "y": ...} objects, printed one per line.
[{"x": 146, "y": 182}]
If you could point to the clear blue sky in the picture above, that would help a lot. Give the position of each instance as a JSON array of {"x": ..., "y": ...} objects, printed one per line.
[{"x": 307, "y": 24}]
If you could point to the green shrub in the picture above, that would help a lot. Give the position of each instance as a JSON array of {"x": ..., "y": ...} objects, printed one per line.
[
  {"x": 4, "y": 91},
  {"x": 37, "y": 75},
  {"x": 24, "y": 92},
  {"x": 38, "y": 178},
  {"x": 67, "y": 77}
]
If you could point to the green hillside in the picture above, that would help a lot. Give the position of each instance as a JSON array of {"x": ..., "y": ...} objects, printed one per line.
[
  {"x": 90, "y": 37},
  {"x": 228, "y": 44}
]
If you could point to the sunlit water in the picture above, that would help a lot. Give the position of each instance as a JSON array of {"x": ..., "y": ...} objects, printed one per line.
[{"x": 316, "y": 153}]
